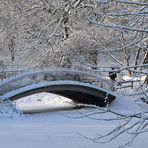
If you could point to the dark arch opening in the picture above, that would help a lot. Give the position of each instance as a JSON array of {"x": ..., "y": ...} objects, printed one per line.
[{"x": 77, "y": 93}]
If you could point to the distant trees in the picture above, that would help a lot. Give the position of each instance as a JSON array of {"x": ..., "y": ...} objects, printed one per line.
[
  {"x": 72, "y": 33},
  {"x": 39, "y": 30}
]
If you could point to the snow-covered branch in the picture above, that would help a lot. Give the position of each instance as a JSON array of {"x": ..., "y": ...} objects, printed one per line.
[
  {"x": 132, "y": 2},
  {"x": 141, "y": 13},
  {"x": 117, "y": 27}
]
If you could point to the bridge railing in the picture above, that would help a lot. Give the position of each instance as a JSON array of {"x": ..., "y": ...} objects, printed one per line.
[
  {"x": 14, "y": 70},
  {"x": 43, "y": 75},
  {"x": 15, "y": 77}
]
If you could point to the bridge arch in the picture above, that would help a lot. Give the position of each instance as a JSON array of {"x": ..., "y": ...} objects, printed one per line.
[
  {"x": 77, "y": 91},
  {"x": 65, "y": 82}
]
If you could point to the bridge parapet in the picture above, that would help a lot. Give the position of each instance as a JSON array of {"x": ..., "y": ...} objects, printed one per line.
[{"x": 45, "y": 75}]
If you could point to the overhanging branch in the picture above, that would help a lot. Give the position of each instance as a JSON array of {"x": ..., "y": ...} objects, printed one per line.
[{"x": 118, "y": 27}]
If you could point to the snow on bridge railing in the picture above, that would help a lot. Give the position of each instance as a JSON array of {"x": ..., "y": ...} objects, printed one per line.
[{"x": 40, "y": 75}]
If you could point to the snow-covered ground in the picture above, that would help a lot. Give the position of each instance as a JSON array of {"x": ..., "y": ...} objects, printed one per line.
[
  {"x": 52, "y": 130},
  {"x": 44, "y": 102},
  {"x": 59, "y": 129}
]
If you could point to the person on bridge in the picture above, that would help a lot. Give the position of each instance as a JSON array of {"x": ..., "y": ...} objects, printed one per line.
[{"x": 112, "y": 74}]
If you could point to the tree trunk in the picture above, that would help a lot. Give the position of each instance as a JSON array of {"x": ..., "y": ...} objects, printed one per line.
[
  {"x": 146, "y": 62},
  {"x": 127, "y": 60},
  {"x": 137, "y": 57}
]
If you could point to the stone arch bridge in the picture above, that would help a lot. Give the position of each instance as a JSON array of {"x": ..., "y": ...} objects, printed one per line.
[{"x": 80, "y": 86}]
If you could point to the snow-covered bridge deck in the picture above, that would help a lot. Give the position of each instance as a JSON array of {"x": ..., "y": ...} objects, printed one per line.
[{"x": 76, "y": 85}]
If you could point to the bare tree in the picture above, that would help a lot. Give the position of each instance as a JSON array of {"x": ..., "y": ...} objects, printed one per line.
[
  {"x": 128, "y": 24},
  {"x": 39, "y": 29}
]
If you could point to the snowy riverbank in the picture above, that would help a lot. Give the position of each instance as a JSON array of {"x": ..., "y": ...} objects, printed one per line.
[{"x": 62, "y": 129}]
